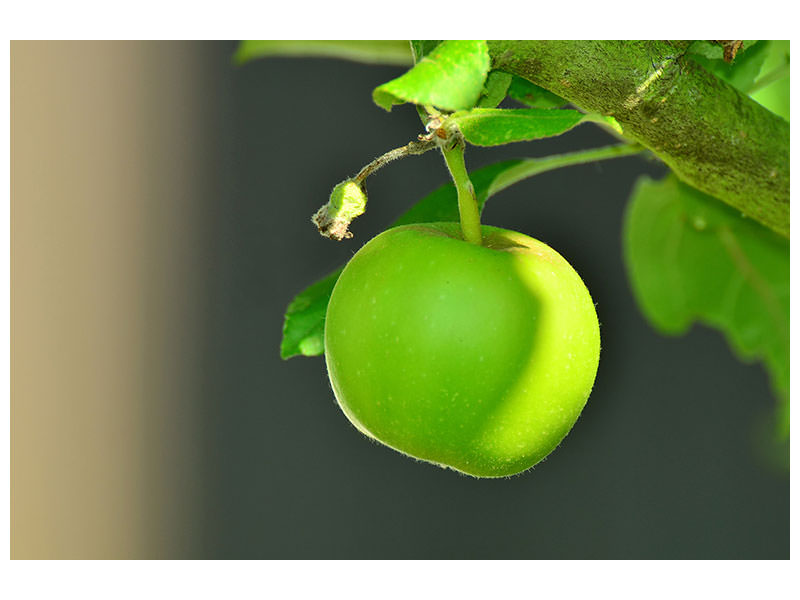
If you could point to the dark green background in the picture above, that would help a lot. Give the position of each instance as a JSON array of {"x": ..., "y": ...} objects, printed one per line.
[{"x": 665, "y": 461}]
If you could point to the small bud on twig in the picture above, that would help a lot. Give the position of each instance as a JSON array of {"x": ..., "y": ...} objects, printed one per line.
[{"x": 348, "y": 200}]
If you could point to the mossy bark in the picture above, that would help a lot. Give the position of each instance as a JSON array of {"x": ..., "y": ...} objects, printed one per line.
[{"x": 712, "y": 136}]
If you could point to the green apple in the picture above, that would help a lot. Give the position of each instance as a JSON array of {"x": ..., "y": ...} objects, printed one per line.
[{"x": 474, "y": 357}]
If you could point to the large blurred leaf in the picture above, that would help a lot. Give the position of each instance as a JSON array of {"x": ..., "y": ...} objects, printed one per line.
[
  {"x": 387, "y": 52},
  {"x": 497, "y": 126},
  {"x": 304, "y": 322},
  {"x": 450, "y": 78},
  {"x": 693, "y": 258}
]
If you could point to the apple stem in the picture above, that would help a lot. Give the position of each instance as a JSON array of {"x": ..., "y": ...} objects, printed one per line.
[{"x": 467, "y": 201}]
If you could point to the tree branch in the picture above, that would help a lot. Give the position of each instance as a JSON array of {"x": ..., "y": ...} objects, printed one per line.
[{"x": 712, "y": 136}]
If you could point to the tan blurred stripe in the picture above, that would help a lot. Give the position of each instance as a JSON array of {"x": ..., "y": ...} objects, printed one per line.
[{"x": 103, "y": 282}]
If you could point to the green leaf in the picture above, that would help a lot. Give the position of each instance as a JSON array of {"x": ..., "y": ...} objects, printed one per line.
[
  {"x": 450, "y": 78},
  {"x": 496, "y": 126},
  {"x": 442, "y": 203},
  {"x": 773, "y": 81},
  {"x": 534, "y": 96},
  {"x": 420, "y": 48},
  {"x": 387, "y": 52},
  {"x": 304, "y": 323},
  {"x": 494, "y": 91},
  {"x": 692, "y": 258},
  {"x": 742, "y": 72}
]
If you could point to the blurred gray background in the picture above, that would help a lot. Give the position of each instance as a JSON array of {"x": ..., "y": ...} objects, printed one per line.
[{"x": 161, "y": 199}]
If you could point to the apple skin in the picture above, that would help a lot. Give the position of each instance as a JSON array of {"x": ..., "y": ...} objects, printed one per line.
[{"x": 477, "y": 358}]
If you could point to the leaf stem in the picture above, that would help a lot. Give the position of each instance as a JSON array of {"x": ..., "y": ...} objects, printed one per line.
[
  {"x": 467, "y": 201},
  {"x": 533, "y": 166}
]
